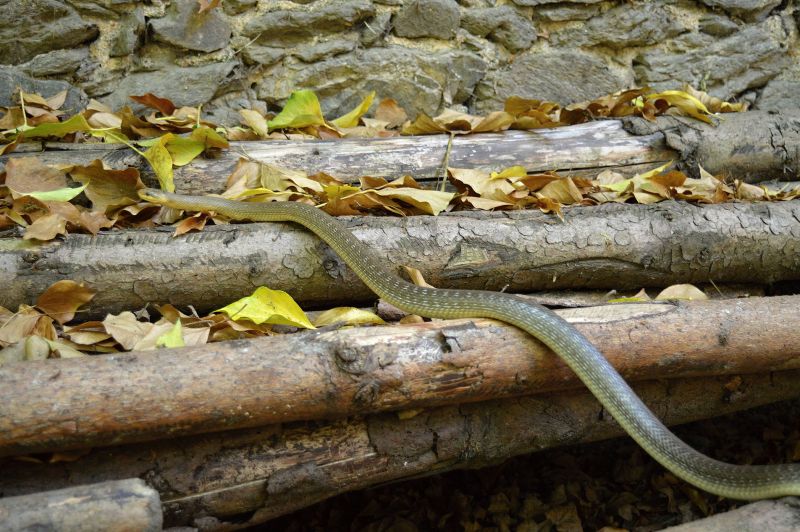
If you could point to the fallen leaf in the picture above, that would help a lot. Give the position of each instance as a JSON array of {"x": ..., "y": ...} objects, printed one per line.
[
  {"x": 347, "y": 316},
  {"x": 351, "y": 119},
  {"x": 268, "y": 306},
  {"x": 63, "y": 298},
  {"x": 165, "y": 106},
  {"x": 172, "y": 338},
  {"x": 682, "y": 291},
  {"x": 126, "y": 329},
  {"x": 28, "y": 174},
  {"x": 390, "y": 112},
  {"x": 301, "y": 110},
  {"x": 107, "y": 189}
]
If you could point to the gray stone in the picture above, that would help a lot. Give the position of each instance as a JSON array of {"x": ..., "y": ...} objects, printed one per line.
[
  {"x": 224, "y": 111},
  {"x": 183, "y": 85},
  {"x": 184, "y": 27},
  {"x": 624, "y": 26},
  {"x": 726, "y": 67},
  {"x": 717, "y": 25},
  {"x": 128, "y": 33},
  {"x": 41, "y": 26},
  {"x": 502, "y": 24},
  {"x": 527, "y": 3},
  {"x": 560, "y": 76},
  {"x": 57, "y": 62},
  {"x": 419, "y": 80},
  {"x": 782, "y": 515},
  {"x": 427, "y": 18},
  {"x": 324, "y": 49},
  {"x": 100, "y": 8},
  {"x": 234, "y": 7},
  {"x": 779, "y": 95},
  {"x": 565, "y": 12},
  {"x": 262, "y": 55},
  {"x": 376, "y": 29},
  {"x": 285, "y": 27},
  {"x": 12, "y": 79},
  {"x": 749, "y": 10}
]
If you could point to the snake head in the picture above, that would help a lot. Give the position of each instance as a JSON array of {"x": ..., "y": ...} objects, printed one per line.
[{"x": 153, "y": 195}]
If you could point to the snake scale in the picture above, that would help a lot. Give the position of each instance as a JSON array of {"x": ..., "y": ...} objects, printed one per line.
[{"x": 735, "y": 481}]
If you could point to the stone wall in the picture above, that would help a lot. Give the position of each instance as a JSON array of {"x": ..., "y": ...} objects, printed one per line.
[{"x": 427, "y": 54}]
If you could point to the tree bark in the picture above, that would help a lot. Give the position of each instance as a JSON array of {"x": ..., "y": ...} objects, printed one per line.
[
  {"x": 241, "y": 478},
  {"x": 568, "y": 148},
  {"x": 755, "y": 146},
  {"x": 114, "y": 506},
  {"x": 113, "y": 399},
  {"x": 609, "y": 247}
]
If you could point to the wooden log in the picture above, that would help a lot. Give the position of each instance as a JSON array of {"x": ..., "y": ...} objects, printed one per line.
[
  {"x": 115, "y": 505},
  {"x": 596, "y": 145},
  {"x": 609, "y": 247},
  {"x": 112, "y": 399},
  {"x": 755, "y": 146},
  {"x": 242, "y": 478}
]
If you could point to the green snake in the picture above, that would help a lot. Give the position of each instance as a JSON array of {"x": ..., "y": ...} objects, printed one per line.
[{"x": 738, "y": 482}]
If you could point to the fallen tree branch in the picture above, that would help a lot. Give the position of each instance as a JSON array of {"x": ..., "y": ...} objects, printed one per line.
[
  {"x": 620, "y": 247},
  {"x": 113, "y": 505},
  {"x": 112, "y": 399},
  {"x": 754, "y": 146},
  {"x": 242, "y": 478},
  {"x": 567, "y": 148}
]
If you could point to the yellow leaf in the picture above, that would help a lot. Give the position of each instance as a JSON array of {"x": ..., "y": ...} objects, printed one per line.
[
  {"x": 510, "y": 172},
  {"x": 268, "y": 306},
  {"x": 351, "y": 119},
  {"x": 173, "y": 338},
  {"x": 682, "y": 291},
  {"x": 301, "y": 110},
  {"x": 183, "y": 149},
  {"x": 685, "y": 102},
  {"x": 347, "y": 316},
  {"x": 160, "y": 159}
]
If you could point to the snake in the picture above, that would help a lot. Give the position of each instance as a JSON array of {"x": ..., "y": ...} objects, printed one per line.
[{"x": 744, "y": 482}]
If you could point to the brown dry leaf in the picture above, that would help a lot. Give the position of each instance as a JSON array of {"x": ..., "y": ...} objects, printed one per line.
[
  {"x": 565, "y": 518},
  {"x": 563, "y": 191},
  {"x": 207, "y": 5},
  {"x": 62, "y": 299},
  {"x": 87, "y": 334},
  {"x": 46, "y": 228},
  {"x": 748, "y": 192},
  {"x": 390, "y": 112},
  {"x": 27, "y": 321},
  {"x": 165, "y": 106},
  {"x": 480, "y": 182},
  {"x": 255, "y": 121},
  {"x": 713, "y": 104},
  {"x": 107, "y": 189},
  {"x": 193, "y": 223},
  {"x": 126, "y": 329},
  {"x": 422, "y": 125},
  {"x": 28, "y": 174}
]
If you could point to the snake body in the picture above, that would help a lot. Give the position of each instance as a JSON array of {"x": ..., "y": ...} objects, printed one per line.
[{"x": 734, "y": 481}]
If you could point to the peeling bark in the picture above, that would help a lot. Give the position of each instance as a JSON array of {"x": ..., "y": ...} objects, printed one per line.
[
  {"x": 113, "y": 399},
  {"x": 241, "y": 478}
]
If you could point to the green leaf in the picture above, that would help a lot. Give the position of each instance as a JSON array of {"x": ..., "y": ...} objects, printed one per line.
[
  {"x": 160, "y": 159},
  {"x": 351, "y": 119},
  {"x": 173, "y": 338},
  {"x": 301, "y": 110},
  {"x": 62, "y": 194},
  {"x": 268, "y": 306},
  {"x": 59, "y": 129}
]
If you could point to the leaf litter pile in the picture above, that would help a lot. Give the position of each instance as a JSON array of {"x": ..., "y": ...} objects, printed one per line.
[{"x": 41, "y": 202}]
